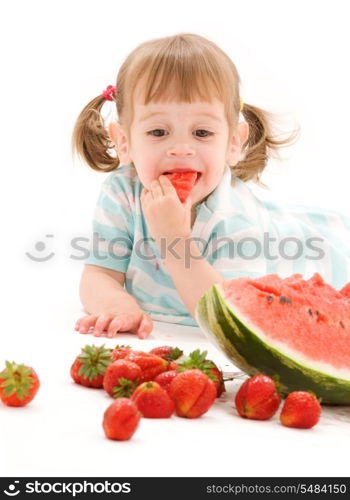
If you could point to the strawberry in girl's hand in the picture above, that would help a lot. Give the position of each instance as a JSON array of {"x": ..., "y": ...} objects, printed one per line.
[
  {"x": 150, "y": 364},
  {"x": 153, "y": 401},
  {"x": 121, "y": 378},
  {"x": 257, "y": 398},
  {"x": 193, "y": 393},
  {"x": 197, "y": 359},
  {"x": 18, "y": 384},
  {"x": 167, "y": 352},
  {"x": 121, "y": 419},
  {"x": 90, "y": 366},
  {"x": 301, "y": 409},
  {"x": 164, "y": 379},
  {"x": 120, "y": 351}
]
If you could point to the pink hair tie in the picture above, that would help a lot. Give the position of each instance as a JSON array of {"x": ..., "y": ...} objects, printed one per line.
[{"x": 109, "y": 93}]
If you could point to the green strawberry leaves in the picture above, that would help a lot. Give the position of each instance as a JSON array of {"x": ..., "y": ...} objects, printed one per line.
[
  {"x": 125, "y": 388},
  {"x": 94, "y": 361},
  {"x": 197, "y": 360},
  {"x": 174, "y": 354},
  {"x": 17, "y": 379}
]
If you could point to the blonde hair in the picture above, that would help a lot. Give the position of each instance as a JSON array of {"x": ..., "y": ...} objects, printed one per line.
[{"x": 185, "y": 67}]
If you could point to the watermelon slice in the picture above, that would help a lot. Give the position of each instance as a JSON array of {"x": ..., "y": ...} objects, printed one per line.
[
  {"x": 295, "y": 328},
  {"x": 346, "y": 290},
  {"x": 183, "y": 182}
]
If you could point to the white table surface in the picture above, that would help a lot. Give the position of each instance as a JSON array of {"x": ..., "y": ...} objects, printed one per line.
[{"x": 60, "y": 432}]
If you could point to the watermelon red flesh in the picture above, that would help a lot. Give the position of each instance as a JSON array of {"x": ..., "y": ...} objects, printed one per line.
[
  {"x": 346, "y": 290},
  {"x": 308, "y": 352},
  {"x": 316, "y": 323},
  {"x": 183, "y": 182}
]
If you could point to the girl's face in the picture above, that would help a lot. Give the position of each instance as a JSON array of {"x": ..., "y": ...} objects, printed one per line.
[{"x": 179, "y": 135}]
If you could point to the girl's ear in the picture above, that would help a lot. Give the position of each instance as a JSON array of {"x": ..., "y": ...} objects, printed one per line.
[
  {"x": 119, "y": 137},
  {"x": 236, "y": 142}
]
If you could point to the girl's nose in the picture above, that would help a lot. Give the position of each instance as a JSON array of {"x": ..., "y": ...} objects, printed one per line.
[{"x": 181, "y": 150}]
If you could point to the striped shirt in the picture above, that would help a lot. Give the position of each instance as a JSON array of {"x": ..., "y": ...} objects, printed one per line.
[{"x": 239, "y": 235}]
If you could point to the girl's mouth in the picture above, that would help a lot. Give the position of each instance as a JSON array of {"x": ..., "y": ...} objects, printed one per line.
[{"x": 198, "y": 174}]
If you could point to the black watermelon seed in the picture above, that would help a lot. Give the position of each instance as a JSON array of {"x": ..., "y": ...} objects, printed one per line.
[
  {"x": 289, "y": 301},
  {"x": 341, "y": 324},
  {"x": 310, "y": 311},
  {"x": 317, "y": 313},
  {"x": 269, "y": 298},
  {"x": 283, "y": 300}
]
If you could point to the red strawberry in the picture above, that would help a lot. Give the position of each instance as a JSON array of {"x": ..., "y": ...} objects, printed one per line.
[
  {"x": 197, "y": 359},
  {"x": 18, "y": 384},
  {"x": 121, "y": 378},
  {"x": 121, "y": 419},
  {"x": 164, "y": 379},
  {"x": 74, "y": 370},
  {"x": 193, "y": 393},
  {"x": 150, "y": 364},
  {"x": 219, "y": 382},
  {"x": 120, "y": 351},
  {"x": 153, "y": 401},
  {"x": 301, "y": 409},
  {"x": 90, "y": 366},
  {"x": 173, "y": 365},
  {"x": 166, "y": 352},
  {"x": 257, "y": 398}
]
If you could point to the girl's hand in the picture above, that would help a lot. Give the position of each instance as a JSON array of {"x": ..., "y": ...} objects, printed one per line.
[
  {"x": 166, "y": 216},
  {"x": 111, "y": 323}
]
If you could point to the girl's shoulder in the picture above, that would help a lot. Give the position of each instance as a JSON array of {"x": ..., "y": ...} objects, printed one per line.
[
  {"x": 123, "y": 175},
  {"x": 123, "y": 186}
]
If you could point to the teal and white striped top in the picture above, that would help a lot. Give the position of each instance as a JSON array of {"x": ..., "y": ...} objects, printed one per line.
[{"x": 238, "y": 234}]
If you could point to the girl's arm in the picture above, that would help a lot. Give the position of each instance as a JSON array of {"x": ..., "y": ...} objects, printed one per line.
[
  {"x": 110, "y": 308},
  {"x": 191, "y": 272},
  {"x": 169, "y": 222},
  {"x": 102, "y": 292}
]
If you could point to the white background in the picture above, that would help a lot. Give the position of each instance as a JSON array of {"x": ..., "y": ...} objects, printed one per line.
[{"x": 292, "y": 57}]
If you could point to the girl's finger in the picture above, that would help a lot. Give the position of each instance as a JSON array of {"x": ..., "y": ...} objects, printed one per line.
[
  {"x": 114, "y": 327},
  {"x": 146, "y": 326},
  {"x": 86, "y": 323},
  {"x": 167, "y": 186},
  {"x": 156, "y": 189},
  {"x": 102, "y": 324},
  {"x": 145, "y": 195}
]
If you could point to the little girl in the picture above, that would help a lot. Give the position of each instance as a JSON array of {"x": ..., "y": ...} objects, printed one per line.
[{"x": 152, "y": 256}]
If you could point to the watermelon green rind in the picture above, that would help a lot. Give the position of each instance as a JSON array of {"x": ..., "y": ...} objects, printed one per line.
[{"x": 242, "y": 345}]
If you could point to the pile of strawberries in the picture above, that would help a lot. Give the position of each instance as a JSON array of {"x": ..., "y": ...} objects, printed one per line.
[
  {"x": 163, "y": 381},
  {"x": 159, "y": 383},
  {"x": 152, "y": 384}
]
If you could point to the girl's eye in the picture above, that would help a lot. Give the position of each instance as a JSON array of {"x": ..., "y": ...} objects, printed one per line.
[
  {"x": 205, "y": 132},
  {"x": 159, "y": 133}
]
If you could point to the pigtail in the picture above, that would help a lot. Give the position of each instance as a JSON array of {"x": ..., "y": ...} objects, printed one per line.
[
  {"x": 260, "y": 145},
  {"x": 90, "y": 139}
]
